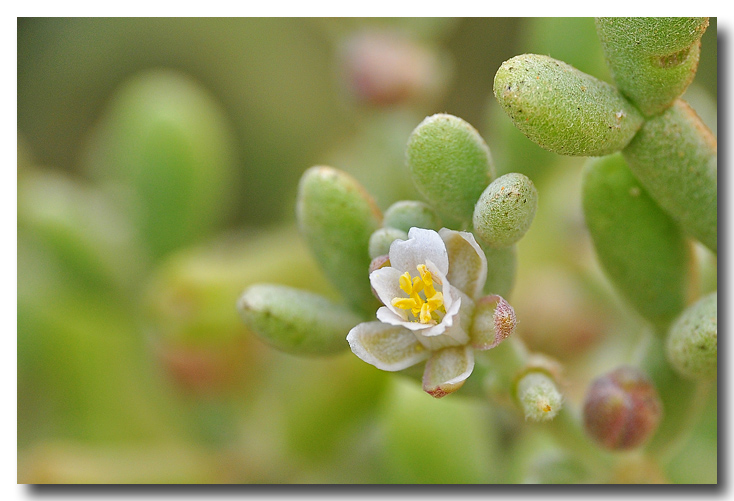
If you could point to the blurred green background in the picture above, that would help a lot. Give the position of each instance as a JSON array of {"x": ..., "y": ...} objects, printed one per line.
[{"x": 158, "y": 161}]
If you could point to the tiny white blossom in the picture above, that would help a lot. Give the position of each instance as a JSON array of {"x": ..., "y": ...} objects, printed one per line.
[{"x": 429, "y": 292}]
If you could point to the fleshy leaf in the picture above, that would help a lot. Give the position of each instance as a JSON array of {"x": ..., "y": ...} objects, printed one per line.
[
  {"x": 381, "y": 240},
  {"x": 296, "y": 321},
  {"x": 387, "y": 347},
  {"x": 692, "y": 343},
  {"x": 447, "y": 370},
  {"x": 652, "y": 59},
  {"x": 563, "y": 109},
  {"x": 450, "y": 164},
  {"x": 406, "y": 214},
  {"x": 337, "y": 216},
  {"x": 169, "y": 141},
  {"x": 675, "y": 158},
  {"x": 505, "y": 211},
  {"x": 501, "y": 270},
  {"x": 639, "y": 246}
]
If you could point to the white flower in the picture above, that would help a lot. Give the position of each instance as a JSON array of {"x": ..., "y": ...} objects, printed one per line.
[{"x": 430, "y": 292}]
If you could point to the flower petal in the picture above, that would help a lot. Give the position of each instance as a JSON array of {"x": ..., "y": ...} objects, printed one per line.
[
  {"x": 447, "y": 370},
  {"x": 387, "y": 347},
  {"x": 421, "y": 245},
  {"x": 467, "y": 261},
  {"x": 388, "y": 315},
  {"x": 386, "y": 283}
]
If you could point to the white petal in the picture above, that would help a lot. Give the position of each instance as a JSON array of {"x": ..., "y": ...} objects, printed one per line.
[
  {"x": 388, "y": 315},
  {"x": 386, "y": 283},
  {"x": 421, "y": 245},
  {"x": 467, "y": 261},
  {"x": 447, "y": 370},
  {"x": 387, "y": 347}
]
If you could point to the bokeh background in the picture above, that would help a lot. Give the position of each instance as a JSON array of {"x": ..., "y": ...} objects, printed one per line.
[{"x": 158, "y": 162}]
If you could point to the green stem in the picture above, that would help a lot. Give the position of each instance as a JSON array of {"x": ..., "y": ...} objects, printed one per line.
[{"x": 566, "y": 428}]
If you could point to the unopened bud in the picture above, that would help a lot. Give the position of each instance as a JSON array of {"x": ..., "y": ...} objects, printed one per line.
[
  {"x": 383, "y": 69},
  {"x": 494, "y": 321},
  {"x": 622, "y": 409},
  {"x": 538, "y": 396}
]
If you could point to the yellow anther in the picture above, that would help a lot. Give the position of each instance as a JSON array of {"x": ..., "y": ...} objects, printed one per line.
[
  {"x": 435, "y": 301},
  {"x": 405, "y": 303},
  {"x": 425, "y": 315},
  {"x": 405, "y": 283},
  {"x": 427, "y": 280},
  {"x": 426, "y": 308}
]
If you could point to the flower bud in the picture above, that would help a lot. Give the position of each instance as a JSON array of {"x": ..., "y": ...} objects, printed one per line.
[
  {"x": 494, "y": 321},
  {"x": 381, "y": 239},
  {"x": 407, "y": 214},
  {"x": 384, "y": 69},
  {"x": 505, "y": 210},
  {"x": 622, "y": 409},
  {"x": 692, "y": 343},
  {"x": 538, "y": 396}
]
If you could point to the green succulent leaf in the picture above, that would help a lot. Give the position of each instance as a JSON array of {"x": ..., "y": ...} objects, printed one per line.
[
  {"x": 642, "y": 250},
  {"x": 675, "y": 157},
  {"x": 337, "y": 217},
  {"x": 501, "y": 270},
  {"x": 406, "y": 214},
  {"x": 505, "y": 210},
  {"x": 652, "y": 59},
  {"x": 170, "y": 141},
  {"x": 450, "y": 164},
  {"x": 563, "y": 109},
  {"x": 692, "y": 343},
  {"x": 296, "y": 321}
]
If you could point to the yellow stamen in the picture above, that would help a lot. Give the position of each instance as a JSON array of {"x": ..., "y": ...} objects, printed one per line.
[{"x": 426, "y": 309}]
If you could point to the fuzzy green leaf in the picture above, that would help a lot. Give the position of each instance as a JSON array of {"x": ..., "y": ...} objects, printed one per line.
[
  {"x": 501, "y": 270},
  {"x": 675, "y": 157},
  {"x": 563, "y": 109},
  {"x": 170, "y": 141},
  {"x": 640, "y": 247},
  {"x": 296, "y": 321},
  {"x": 406, "y": 214},
  {"x": 652, "y": 59},
  {"x": 692, "y": 343},
  {"x": 337, "y": 216},
  {"x": 505, "y": 210},
  {"x": 450, "y": 164}
]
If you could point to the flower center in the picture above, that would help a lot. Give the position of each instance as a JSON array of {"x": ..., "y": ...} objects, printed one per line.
[{"x": 423, "y": 301}]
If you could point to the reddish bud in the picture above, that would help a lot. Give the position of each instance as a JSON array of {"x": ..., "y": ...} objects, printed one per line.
[
  {"x": 385, "y": 68},
  {"x": 622, "y": 409}
]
